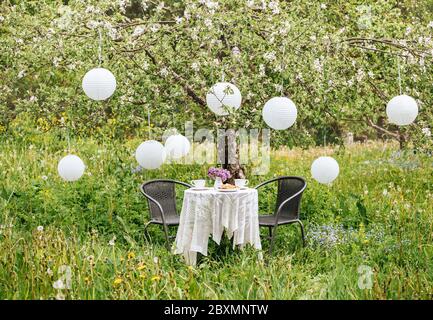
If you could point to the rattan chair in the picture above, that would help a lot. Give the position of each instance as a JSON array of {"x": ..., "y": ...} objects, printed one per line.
[
  {"x": 161, "y": 197},
  {"x": 287, "y": 207}
]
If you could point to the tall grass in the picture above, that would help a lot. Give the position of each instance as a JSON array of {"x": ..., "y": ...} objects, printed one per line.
[{"x": 378, "y": 213}]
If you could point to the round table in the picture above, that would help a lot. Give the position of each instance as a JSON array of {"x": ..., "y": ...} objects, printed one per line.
[{"x": 210, "y": 212}]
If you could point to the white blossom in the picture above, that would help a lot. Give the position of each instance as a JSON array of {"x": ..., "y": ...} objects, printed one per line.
[
  {"x": 155, "y": 27},
  {"x": 270, "y": 56},
  {"x": 323, "y": 6},
  {"x": 164, "y": 72},
  {"x": 138, "y": 31},
  {"x": 318, "y": 65},
  {"x": 56, "y": 61},
  {"x": 430, "y": 24},
  {"x": 195, "y": 66},
  {"x": 145, "y": 65},
  {"x": 250, "y": 3},
  {"x": 179, "y": 20},
  {"x": 160, "y": 6},
  {"x": 385, "y": 192},
  {"x": 112, "y": 242},
  {"x": 2, "y": 18},
  {"x": 21, "y": 74},
  {"x": 33, "y": 99},
  {"x": 208, "y": 23},
  {"x": 45, "y": 178},
  {"x": 426, "y": 132},
  {"x": 40, "y": 228},
  {"x": 59, "y": 285}
]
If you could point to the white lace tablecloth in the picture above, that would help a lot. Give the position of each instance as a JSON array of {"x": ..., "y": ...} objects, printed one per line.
[{"x": 210, "y": 212}]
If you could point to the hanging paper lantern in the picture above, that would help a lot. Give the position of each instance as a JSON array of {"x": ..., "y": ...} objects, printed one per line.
[
  {"x": 177, "y": 146},
  {"x": 280, "y": 113},
  {"x": 325, "y": 169},
  {"x": 71, "y": 168},
  {"x": 99, "y": 84},
  {"x": 402, "y": 110},
  {"x": 223, "y": 96},
  {"x": 150, "y": 154}
]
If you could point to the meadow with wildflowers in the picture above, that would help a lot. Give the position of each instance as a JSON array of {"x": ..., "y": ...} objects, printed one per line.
[{"x": 369, "y": 234}]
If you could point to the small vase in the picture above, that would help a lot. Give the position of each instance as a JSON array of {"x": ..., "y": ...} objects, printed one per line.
[{"x": 218, "y": 183}]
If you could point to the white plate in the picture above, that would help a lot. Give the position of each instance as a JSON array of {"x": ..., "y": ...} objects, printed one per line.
[
  {"x": 243, "y": 188},
  {"x": 198, "y": 189},
  {"x": 227, "y": 190}
]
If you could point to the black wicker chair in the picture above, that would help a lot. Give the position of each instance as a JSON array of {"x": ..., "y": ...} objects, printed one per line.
[
  {"x": 287, "y": 206},
  {"x": 161, "y": 197}
]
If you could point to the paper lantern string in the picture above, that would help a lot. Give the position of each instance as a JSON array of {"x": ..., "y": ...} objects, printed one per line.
[
  {"x": 399, "y": 75},
  {"x": 148, "y": 121},
  {"x": 282, "y": 70},
  {"x": 100, "y": 47}
]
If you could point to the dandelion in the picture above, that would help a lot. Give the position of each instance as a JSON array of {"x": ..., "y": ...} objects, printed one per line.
[
  {"x": 131, "y": 255},
  {"x": 141, "y": 266},
  {"x": 117, "y": 281},
  {"x": 155, "y": 278},
  {"x": 40, "y": 228}
]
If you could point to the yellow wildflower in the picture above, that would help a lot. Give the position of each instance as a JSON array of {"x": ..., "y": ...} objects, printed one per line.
[
  {"x": 141, "y": 267},
  {"x": 131, "y": 255},
  {"x": 117, "y": 281},
  {"x": 155, "y": 278},
  {"x": 142, "y": 276}
]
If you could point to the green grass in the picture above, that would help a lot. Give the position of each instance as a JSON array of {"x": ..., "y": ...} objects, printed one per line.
[{"x": 384, "y": 209}]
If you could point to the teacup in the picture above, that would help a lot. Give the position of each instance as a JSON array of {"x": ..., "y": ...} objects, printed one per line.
[
  {"x": 198, "y": 183},
  {"x": 241, "y": 183}
]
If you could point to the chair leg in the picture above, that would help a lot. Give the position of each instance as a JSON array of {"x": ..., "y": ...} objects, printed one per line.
[
  {"x": 302, "y": 232},
  {"x": 272, "y": 238},
  {"x": 270, "y": 232},
  {"x": 167, "y": 238}
]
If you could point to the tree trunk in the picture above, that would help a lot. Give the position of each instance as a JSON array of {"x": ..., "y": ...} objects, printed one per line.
[{"x": 231, "y": 156}]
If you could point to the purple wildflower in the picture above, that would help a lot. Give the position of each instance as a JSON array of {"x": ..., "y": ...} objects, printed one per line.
[{"x": 224, "y": 174}]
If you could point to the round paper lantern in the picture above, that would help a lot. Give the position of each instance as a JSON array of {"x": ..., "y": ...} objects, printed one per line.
[
  {"x": 223, "y": 96},
  {"x": 71, "y": 168},
  {"x": 280, "y": 113},
  {"x": 177, "y": 146},
  {"x": 402, "y": 110},
  {"x": 150, "y": 154},
  {"x": 99, "y": 84},
  {"x": 325, "y": 169}
]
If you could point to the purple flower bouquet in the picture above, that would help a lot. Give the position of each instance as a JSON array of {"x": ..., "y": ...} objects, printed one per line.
[{"x": 214, "y": 173}]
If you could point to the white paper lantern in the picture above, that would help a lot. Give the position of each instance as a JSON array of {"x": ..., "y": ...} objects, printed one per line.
[
  {"x": 71, "y": 168},
  {"x": 280, "y": 113},
  {"x": 223, "y": 96},
  {"x": 325, "y": 169},
  {"x": 99, "y": 84},
  {"x": 177, "y": 146},
  {"x": 402, "y": 110},
  {"x": 150, "y": 154}
]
